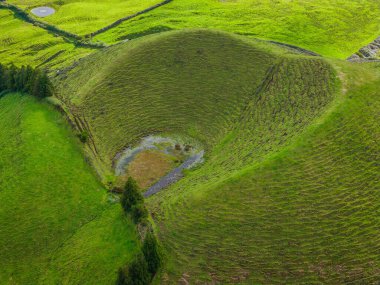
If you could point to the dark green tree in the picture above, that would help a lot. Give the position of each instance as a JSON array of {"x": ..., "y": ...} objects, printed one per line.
[
  {"x": 3, "y": 79},
  {"x": 139, "y": 213},
  {"x": 42, "y": 86},
  {"x": 138, "y": 273},
  {"x": 11, "y": 76},
  {"x": 131, "y": 195},
  {"x": 135, "y": 274},
  {"x": 151, "y": 253},
  {"x": 121, "y": 277}
]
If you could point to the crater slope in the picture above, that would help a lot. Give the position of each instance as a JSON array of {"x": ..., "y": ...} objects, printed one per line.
[{"x": 289, "y": 186}]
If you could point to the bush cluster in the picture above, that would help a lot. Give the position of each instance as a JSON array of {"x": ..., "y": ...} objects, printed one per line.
[
  {"x": 25, "y": 79},
  {"x": 144, "y": 266},
  {"x": 133, "y": 202}
]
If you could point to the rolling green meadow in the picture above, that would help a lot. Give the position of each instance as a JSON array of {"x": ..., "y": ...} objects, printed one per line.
[
  {"x": 266, "y": 206},
  {"x": 22, "y": 44},
  {"x": 83, "y": 17},
  {"x": 289, "y": 189},
  {"x": 56, "y": 221}
]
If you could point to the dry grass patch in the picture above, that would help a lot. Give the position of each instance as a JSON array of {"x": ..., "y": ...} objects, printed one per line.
[{"x": 149, "y": 166}]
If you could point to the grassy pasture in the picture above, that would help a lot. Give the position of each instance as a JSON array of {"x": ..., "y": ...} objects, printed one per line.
[
  {"x": 336, "y": 28},
  {"x": 23, "y": 44},
  {"x": 190, "y": 89},
  {"x": 198, "y": 83},
  {"x": 82, "y": 17},
  {"x": 306, "y": 215},
  {"x": 290, "y": 184},
  {"x": 55, "y": 217}
]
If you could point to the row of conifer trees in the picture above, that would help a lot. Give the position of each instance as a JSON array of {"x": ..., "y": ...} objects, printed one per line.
[
  {"x": 25, "y": 79},
  {"x": 143, "y": 267}
]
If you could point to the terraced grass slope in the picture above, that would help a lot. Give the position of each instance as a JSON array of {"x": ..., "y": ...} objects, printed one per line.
[
  {"x": 196, "y": 83},
  {"x": 334, "y": 28},
  {"x": 289, "y": 189},
  {"x": 24, "y": 44},
  {"x": 83, "y": 17},
  {"x": 308, "y": 214},
  {"x": 57, "y": 225}
]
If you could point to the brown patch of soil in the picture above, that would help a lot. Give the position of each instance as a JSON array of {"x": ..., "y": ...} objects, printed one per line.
[{"x": 149, "y": 166}]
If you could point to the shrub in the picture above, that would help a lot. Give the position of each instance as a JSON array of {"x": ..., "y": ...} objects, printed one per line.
[
  {"x": 136, "y": 273},
  {"x": 139, "y": 213},
  {"x": 83, "y": 136},
  {"x": 151, "y": 253},
  {"x": 131, "y": 195}
]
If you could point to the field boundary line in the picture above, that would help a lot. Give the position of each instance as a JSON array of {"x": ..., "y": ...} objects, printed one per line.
[
  {"x": 68, "y": 36},
  {"x": 118, "y": 22}
]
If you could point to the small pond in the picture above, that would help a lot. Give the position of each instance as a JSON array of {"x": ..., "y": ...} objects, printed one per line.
[
  {"x": 43, "y": 11},
  {"x": 192, "y": 155}
]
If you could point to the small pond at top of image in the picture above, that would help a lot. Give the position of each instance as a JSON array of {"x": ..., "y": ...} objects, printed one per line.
[{"x": 43, "y": 11}]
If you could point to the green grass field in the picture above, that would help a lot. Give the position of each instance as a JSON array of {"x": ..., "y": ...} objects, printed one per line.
[
  {"x": 335, "y": 28},
  {"x": 56, "y": 222},
  {"x": 83, "y": 17},
  {"x": 305, "y": 215},
  {"x": 289, "y": 192},
  {"x": 332, "y": 28},
  {"x": 22, "y": 44},
  {"x": 279, "y": 197}
]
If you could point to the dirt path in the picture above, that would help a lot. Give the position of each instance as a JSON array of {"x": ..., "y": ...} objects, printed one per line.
[{"x": 118, "y": 22}]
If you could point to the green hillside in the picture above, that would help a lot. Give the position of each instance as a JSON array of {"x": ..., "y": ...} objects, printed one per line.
[
  {"x": 306, "y": 215},
  {"x": 195, "y": 83},
  {"x": 56, "y": 221},
  {"x": 23, "y": 43},
  {"x": 288, "y": 188},
  {"x": 282, "y": 194}
]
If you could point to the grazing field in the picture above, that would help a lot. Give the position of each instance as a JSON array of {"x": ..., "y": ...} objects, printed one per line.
[
  {"x": 23, "y": 43},
  {"x": 289, "y": 189},
  {"x": 83, "y": 17},
  {"x": 306, "y": 215},
  {"x": 190, "y": 87},
  {"x": 56, "y": 222},
  {"x": 204, "y": 85},
  {"x": 291, "y": 179},
  {"x": 336, "y": 28}
]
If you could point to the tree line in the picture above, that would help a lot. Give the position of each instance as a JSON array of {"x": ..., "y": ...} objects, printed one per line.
[
  {"x": 25, "y": 79},
  {"x": 144, "y": 266}
]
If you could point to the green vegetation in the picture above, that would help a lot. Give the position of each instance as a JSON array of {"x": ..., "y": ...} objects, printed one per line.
[
  {"x": 289, "y": 189},
  {"x": 25, "y": 79},
  {"x": 279, "y": 197},
  {"x": 335, "y": 28},
  {"x": 144, "y": 266},
  {"x": 83, "y": 17},
  {"x": 201, "y": 86},
  {"x": 24, "y": 44},
  {"x": 132, "y": 202},
  {"x": 304, "y": 215},
  {"x": 54, "y": 215}
]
